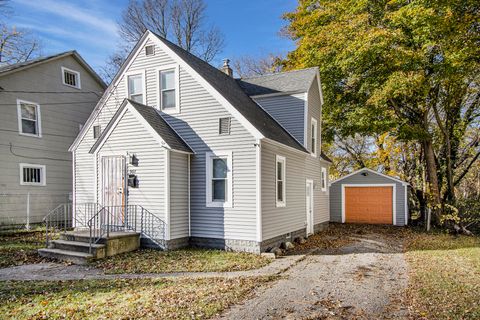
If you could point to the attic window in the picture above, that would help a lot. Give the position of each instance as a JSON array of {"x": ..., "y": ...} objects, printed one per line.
[
  {"x": 224, "y": 125},
  {"x": 96, "y": 132},
  {"x": 150, "y": 50},
  {"x": 71, "y": 78}
]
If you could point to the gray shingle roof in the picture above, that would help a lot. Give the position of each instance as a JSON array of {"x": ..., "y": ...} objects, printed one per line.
[
  {"x": 230, "y": 90},
  {"x": 155, "y": 120},
  {"x": 290, "y": 81},
  {"x": 5, "y": 69},
  {"x": 11, "y": 67}
]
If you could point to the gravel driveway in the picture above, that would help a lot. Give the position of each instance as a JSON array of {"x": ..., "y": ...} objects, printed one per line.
[{"x": 365, "y": 279}]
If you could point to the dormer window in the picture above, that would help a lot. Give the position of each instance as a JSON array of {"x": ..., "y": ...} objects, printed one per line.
[
  {"x": 135, "y": 84},
  {"x": 168, "y": 95},
  {"x": 71, "y": 78}
]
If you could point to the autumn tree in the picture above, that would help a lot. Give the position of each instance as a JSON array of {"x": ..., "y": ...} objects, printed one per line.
[
  {"x": 180, "y": 21},
  {"x": 249, "y": 66},
  {"x": 410, "y": 68}
]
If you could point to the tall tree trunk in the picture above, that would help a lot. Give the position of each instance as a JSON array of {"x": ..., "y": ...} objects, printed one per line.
[{"x": 432, "y": 179}]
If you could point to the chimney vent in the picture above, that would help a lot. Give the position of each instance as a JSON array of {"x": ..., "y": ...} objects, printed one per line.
[{"x": 226, "y": 68}]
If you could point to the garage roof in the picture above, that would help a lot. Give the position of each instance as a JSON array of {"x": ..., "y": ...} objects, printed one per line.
[{"x": 371, "y": 171}]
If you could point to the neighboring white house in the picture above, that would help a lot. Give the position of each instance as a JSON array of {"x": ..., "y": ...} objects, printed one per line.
[
  {"x": 43, "y": 105},
  {"x": 225, "y": 163}
]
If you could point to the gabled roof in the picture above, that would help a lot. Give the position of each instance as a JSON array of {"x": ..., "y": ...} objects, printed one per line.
[
  {"x": 281, "y": 82},
  {"x": 228, "y": 87},
  {"x": 371, "y": 171},
  {"x": 8, "y": 69},
  {"x": 156, "y": 122}
]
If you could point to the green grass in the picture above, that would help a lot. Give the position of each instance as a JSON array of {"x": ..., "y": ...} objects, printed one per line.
[
  {"x": 184, "y": 260},
  {"x": 20, "y": 247},
  {"x": 123, "y": 299},
  {"x": 444, "y": 276}
]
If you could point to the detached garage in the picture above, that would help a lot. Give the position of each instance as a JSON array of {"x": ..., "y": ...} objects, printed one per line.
[{"x": 366, "y": 196}]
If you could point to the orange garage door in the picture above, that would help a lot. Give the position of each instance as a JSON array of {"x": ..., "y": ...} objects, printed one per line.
[{"x": 368, "y": 205}]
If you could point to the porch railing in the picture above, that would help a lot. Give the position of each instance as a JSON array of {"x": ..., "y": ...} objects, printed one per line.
[
  {"x": 61, "y": 219},
  {"x": 134, "y": 218}
]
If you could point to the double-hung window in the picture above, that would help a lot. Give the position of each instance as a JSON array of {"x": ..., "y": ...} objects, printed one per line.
[
  {"x": 324, "y": 179},
  {"x": 280, "y": 181},
  {"x": 313, "y": 139},
  {"x": 32, "y": 174},
  {"x": 29, "y": 122},
  {"x": 168, "y": 86},
  {"x": 219, "y": 179},
  {"x": 135, "y": 84}
]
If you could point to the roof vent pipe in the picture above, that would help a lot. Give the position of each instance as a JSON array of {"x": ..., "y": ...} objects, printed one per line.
[{"x": 226, "y": 68}]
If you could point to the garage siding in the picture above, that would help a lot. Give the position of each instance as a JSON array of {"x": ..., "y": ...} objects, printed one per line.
[{"x": 371, "y": 178}]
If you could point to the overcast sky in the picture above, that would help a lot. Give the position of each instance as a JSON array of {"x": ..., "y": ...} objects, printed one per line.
[{"x": 251, "y": 27}]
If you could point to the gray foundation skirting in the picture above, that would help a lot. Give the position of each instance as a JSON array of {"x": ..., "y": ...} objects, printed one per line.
[{"x": 233, "y": 244}]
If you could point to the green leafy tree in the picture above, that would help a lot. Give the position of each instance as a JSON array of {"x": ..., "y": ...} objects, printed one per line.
[{"x": 407, "y": 67}]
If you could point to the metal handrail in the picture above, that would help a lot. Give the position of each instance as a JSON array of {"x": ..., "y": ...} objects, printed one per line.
[
  {"x": 61, "y": 218},
  {"x": 126, "y": 218}
]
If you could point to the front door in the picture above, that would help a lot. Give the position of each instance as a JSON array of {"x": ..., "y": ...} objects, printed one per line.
[
  {"x": 114, "y": 187},
  {"x": 309, "y": 206}
]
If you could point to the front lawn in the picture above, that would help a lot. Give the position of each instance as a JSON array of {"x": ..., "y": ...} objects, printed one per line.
[
  {"x": 444, "y": 276},
  {"x": 123, "y": 299},
  {"x": 20, "y": 247},
  {"x": 183, "y": 260}
]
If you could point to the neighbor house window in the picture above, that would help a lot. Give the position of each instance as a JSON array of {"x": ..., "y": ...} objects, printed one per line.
[
  {"x": 224, "y": 125},
  {"x": 219, "y": 179},
  {"x": 71, "y": 78},
  {"x": 29, "y": 122},
  {"x": 135, "y": 85},
  {"x": 280, "y": 181},
  {"x": 313, "y": 140},
  {"x": 32, "y": 174},
  {"x": 324, "y": 179},
  {"x": 150, "y": 50}
]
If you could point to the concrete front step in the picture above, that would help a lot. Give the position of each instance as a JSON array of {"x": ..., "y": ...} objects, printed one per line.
[
  {"x": 98, "y": 250},
  {"x": 74, "y": 246},
  {"x": 64, "y": 255}
]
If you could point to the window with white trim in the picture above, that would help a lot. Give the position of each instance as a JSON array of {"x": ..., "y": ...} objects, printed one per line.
[
  {"x": 313, "y": 138},
  {"x": 280, "y": 178},
  {"x": 219, "y": 179},
  {"x": 71, "y": 78},
  {"x": 324, "y": 179},
  {"x": 32, "y": 174},
  {"x": 29, "y": 118},
  {"x": 135, "y": 87},
  {"x": 168, "y": 95}
]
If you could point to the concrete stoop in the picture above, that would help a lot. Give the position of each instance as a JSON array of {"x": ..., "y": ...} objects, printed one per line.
[{"x": 74, "y": 246}]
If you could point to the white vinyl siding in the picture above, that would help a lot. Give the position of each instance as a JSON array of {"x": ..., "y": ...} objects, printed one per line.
[
  {"x": 196, "y": 125},
  {"x": 178, "y": 195},
  {"x": 123, "y": 141},
  {"x": 29, "y": 119},
  {"x": 32, "y": 174},
  {"x": 71, "y": 78}
]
